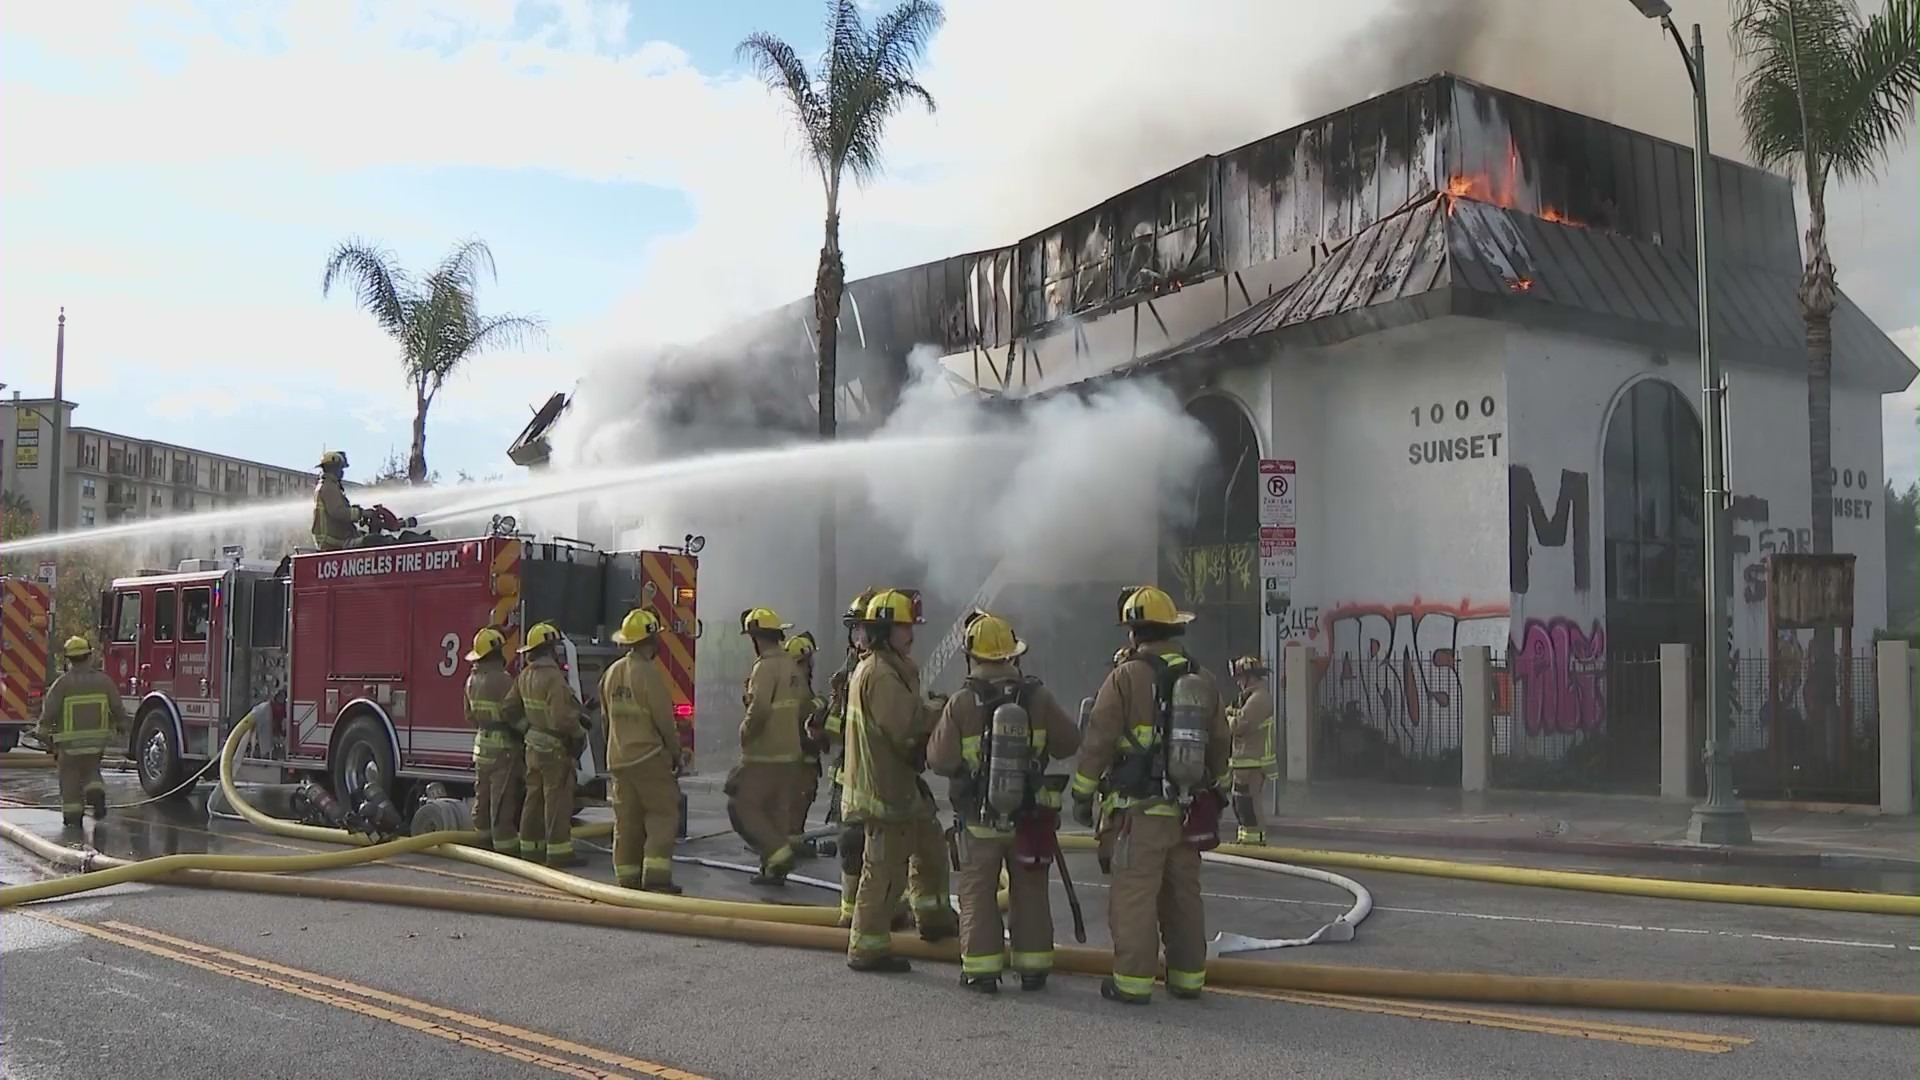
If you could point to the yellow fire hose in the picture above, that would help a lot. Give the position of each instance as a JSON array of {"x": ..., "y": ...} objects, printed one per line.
[
  {"x": 23, "y": 759},
  {"x": 1833, "y": 1005}
]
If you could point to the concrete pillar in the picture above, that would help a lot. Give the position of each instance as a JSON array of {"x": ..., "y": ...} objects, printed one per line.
[
  {"x": 1301, "y": 700},
  {"x": 1896, "y": 728},
  {"x": 1476, "y": 717},
  {"x": 1677, "y": 750}
]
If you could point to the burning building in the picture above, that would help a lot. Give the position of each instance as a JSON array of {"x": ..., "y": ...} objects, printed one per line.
[{"x": 1445, "y": 343}]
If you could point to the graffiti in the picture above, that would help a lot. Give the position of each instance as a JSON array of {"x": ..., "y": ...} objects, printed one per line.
[
  {"x": 1396, "y": 668},
  {"x": 1528, "y": 519},
  {"x": 1206, "y": 572},
  {"x": 1300, "y": 623},
  {"x": 1558, "y": 672}
]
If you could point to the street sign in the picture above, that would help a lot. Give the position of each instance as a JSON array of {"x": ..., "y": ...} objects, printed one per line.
[
  {"x": 47, "y": 573},
  {"x": 1279, "y": 491},
  {"x": 1278, "y": 552}
]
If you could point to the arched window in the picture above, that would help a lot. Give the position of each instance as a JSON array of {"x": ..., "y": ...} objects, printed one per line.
[
  {"x": 1213, "y": 564},
  {"x": 1654, "y": 523}
]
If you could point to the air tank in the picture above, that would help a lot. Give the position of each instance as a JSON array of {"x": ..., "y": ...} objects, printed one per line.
[
  {"x": 1007, "y": 759},
  {"x": 1187, "y": 733}
]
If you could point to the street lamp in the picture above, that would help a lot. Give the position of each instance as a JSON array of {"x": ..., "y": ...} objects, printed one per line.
[{"x": 1721, "y": 819}]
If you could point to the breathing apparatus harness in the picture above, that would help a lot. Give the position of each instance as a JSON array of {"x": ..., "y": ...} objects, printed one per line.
[
  {"x": 1172, "y": 763},
  {"x": 1008, "y": 781}
]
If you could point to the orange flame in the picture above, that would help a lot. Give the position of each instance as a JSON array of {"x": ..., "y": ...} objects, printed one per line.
[
  {"x": 1500, "y": 191},
  {"x": 1520, "y": 284}
]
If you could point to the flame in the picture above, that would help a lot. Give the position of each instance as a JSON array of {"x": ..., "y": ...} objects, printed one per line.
[
  {"x": 1522, "y": 283},
  {"x": 1501, "y": 190}
]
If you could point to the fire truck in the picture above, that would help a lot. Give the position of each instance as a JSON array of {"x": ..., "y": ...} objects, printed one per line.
[
  {"x": 24, "y": 608},
  {"x": 362, "y": 652}
]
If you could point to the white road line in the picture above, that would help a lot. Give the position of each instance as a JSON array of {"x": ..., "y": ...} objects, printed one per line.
[{"x": 1539, "y": 920}]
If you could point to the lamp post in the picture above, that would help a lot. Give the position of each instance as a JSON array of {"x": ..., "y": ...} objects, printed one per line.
[{"x": 1721, "y": 819}]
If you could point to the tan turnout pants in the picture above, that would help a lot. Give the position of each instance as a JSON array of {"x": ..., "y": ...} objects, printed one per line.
[
  {"x": 545, "y": 822},
  {"x": 884, "y": 878},
  {"x": 1249, "y": 805},
  {"x": 1155, "y": 901},
  {"x": 496, "y": 799},
  {"x": 983, "y": 951},
  {"x": 79, "y": 778},
  {"x": 646, "y": 812}
]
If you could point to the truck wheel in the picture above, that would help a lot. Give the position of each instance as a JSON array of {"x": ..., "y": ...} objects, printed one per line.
[
  {"x": 363, "y": 743},
  {"x": 157, "y": 756},
  {"x": 9, "y": 738}
]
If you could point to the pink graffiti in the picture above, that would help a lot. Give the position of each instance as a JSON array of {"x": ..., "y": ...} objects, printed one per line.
[{"x": 1558, "y": 674}]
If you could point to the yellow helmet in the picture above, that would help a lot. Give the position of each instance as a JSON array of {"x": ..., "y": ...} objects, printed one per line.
[
  {"x": 488, "y": 642},
  {"x": 542, "y": 634},
  {"x": 333, "y": 459},
  {"x": 857, "y": 611},
  {"x": 990, "y": 637},
  {"x": 1247, "y": 665},
  {"x": 77, "y": 648},
  {"x": 639, "y": 625},
  {"x": 800, "y": 646},
  {"x": 1148, "y": 605},
  {"x": 763, "y": 620},
  {"x": 891, "y": 606}
]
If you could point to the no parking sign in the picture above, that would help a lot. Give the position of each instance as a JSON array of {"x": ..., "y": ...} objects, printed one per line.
[{"x": 1279, "y": 488}]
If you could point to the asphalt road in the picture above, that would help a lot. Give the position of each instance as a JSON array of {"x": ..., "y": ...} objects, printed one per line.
[{"x": 140, "y": 981}]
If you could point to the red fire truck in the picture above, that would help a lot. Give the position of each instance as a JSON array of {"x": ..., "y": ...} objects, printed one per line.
[
  {"x": 24, "y": 608},
  {"x": 369, "y": 646}
]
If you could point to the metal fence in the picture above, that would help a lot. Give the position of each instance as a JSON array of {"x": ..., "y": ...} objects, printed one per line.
[
  {"x": 1577, "y": 724},
  {"x": 1389, "y": 718},
  {"x": 1792, "y": 742}
]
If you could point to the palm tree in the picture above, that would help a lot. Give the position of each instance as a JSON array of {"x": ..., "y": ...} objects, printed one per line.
[
  {"x": 841, "y": 109},
  {"x": 434, "y": 320},
  {"x": 1826, "y": 92}
]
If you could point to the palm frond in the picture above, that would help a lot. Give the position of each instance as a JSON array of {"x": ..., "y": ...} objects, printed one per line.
[
  {"x": 781, "y": 69},
  {"x": 1876, "y": 95},
  {"x": 465, "y": 263},
  {"x": 379, "y": 285}
]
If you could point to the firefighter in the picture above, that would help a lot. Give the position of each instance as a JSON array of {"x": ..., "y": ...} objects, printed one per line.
[
  {"x": 889, "y": 720},
  {"x": 760, "y": 790},
  {"x": 554, "y": 732},
  {"x": 1008, "y": 817},
  {"x": 643, "y": 758},
  {"x": 813, "y": 733},
  {"x": 335, "y": 520},
  {"x": 1156, "y": 749},
  {"x": 80, "y": 715},
  {"x": 499, "y": 742},
  {"x": 1252, "y": 722},
  {"x": 852, "y": 838}
]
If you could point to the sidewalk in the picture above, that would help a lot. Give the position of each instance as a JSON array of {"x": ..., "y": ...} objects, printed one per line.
[{"x": 1622, "y": 826}]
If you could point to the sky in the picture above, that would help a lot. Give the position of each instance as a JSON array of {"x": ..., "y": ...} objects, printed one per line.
[{"x": 174, "y": 174}]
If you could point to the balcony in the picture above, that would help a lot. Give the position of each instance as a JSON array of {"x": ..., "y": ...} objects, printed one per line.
[{"x": 122, "y": 496}]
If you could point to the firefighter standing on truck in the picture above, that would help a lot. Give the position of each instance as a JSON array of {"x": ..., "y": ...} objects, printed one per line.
[
  {"x": 1156, "y": 751},
  {"x": 334, "y": 518},
  {"x": 813, "y": 739},
  {"x": 995, "y": 738},
  {"x": 760, "y": 790},
  {"x": 852, "y": 838},
  {"x": 889, "y": 721},
  {"x": 1252, "y": 723},
  {"x": 499, "y": 743},
  {"x": 643, "y": 758},
  {"x": 80, "y": 715},
  {"x": 553, "y": 731}
]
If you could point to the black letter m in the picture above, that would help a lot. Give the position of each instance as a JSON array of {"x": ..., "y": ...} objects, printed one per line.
[{"x": 1527, "y": 517}]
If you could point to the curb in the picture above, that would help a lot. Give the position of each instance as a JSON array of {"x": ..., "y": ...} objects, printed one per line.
[{"x": 1699, "y": 854}]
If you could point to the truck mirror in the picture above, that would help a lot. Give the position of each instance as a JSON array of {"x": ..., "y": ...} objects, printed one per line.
[{"x": 106, "y": 615}]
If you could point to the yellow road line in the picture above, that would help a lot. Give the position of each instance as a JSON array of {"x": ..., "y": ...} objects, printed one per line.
[
  {"x": 551, "y": 1042},
  {"x": 412, "y": 1023},
  {"x": 1698, "y": 1042}
]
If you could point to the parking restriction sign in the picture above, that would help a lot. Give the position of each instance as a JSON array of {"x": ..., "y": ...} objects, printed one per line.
[{"x": 1279, "y": 489}]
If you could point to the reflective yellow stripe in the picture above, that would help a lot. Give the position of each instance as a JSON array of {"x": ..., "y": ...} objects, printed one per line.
[
  {"x": 545, "y": 742},
  {"x": 1084, "y": 785},
  {"x": 625, "y": 870},
  {"x": 563, "y": 848},
  {"x": 1038, "y": 740},
  {"x": 835, "y": 723},
  {"x": 1143, "y": 735},
  {"x": 985, "y": 964},
  {"x": 870, "y": 943},
  {"x": 970, "y": 750},
  {"x": 1033, "y": 961},
  {"x": 1133, "y": 985},
  {"x": 83, "y": 730},
  {"x": 657, "y": 862},
  {"x": 927, "y": 903},
  {"x": 1047, "y": 797},
  {"x": 769, "y": 759},
  {"x": 987, "y": 832},
  {"x": 1186, "y": 980}
]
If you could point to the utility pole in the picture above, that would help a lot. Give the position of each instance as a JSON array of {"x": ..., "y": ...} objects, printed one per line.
[
  {"x": 1721, "y": 819},
  {"x": 54, "y": 480}
]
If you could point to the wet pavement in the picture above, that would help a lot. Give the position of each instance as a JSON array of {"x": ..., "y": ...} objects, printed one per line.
[{"x": 347, "y": 987}]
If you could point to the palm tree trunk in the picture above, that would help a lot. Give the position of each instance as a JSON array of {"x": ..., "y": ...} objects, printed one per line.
[
  {"x": 827, "y": 286},
  {"x": 417, "y": 454},
  {"x": 1817, "y": 303}
]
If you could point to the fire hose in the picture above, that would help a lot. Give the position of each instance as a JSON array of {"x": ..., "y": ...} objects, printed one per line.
[{"x": 1783, "y": 1002}]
